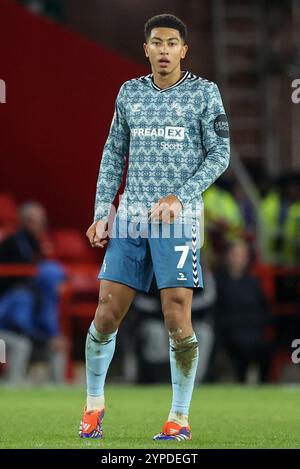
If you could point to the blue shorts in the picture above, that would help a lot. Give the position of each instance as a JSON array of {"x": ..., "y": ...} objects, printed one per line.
[{"x": 136, "y": 251}]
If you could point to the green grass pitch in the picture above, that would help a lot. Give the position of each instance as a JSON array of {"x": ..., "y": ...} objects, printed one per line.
[{"x": 221, "y": 417}]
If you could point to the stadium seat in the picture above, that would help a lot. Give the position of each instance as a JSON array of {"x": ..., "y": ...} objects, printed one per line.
[
  {"x": 71, "y": 246},
  {"x": 8, "y": 213}
]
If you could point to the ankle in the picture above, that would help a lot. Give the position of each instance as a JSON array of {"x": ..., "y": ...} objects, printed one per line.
[
  {"x": 94, "y": 403},
  {"x": 180, "y": 419}
]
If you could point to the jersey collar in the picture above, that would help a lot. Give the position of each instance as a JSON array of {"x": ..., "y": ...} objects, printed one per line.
[{"x": 161, "y": 90}]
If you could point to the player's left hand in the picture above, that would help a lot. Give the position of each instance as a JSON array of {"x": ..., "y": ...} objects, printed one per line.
[{"x": 166, "y": 209}]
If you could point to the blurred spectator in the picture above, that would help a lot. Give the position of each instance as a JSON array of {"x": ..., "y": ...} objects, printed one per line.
[
  {"x": 280, "y": 212},
  {"x": 243, "y": 316},
  {"x": 29, "y": 322},
  {"x": 223, "y": 220},
  {"x": 152, "y": 343}
]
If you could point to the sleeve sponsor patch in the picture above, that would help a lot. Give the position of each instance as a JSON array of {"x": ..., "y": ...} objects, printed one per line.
[{"x": 221, "y": 126}]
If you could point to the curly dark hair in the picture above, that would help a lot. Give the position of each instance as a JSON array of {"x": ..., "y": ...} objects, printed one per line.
[{"x": 165, "y": 21}]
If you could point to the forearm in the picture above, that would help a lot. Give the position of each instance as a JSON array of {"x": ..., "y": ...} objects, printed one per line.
[
  {"x": 212, "y": 167},
  {"x": 108, "y": 183}
]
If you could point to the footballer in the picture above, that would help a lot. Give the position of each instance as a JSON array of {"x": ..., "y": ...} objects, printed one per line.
[{"x": 172, "y": 126}]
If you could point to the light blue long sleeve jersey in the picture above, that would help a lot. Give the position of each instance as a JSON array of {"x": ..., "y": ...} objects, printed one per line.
[{"x": 176, "y": 140}]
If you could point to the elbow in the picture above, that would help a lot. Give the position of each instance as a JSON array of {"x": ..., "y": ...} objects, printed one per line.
[
  {"x": 223, "y": 164},
  {"x": 225, "y": 159},
  {"x": 226, "y": 162}
]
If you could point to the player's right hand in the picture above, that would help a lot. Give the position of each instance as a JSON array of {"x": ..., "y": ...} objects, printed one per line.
[{"x": 97, "y": 234}]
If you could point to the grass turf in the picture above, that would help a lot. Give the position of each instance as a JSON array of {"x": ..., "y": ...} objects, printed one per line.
[{"x": 221, "y": 417}]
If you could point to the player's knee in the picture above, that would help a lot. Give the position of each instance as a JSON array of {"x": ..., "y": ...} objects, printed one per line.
[
  {"x": 173, "y": 310},
  {"x": 108, "y": 315},
  {"x": 173, "y": 305},
  {"x": 105, "y": 322},
  {"x": 177, "y": 317},
  {"x": 175, "y": 325}
]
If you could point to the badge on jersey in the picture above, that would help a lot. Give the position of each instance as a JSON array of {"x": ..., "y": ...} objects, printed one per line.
[{"x": 221, "y": 126}]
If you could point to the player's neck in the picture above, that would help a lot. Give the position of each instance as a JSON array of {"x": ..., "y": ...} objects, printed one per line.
[{"x": 165, "y": 81}]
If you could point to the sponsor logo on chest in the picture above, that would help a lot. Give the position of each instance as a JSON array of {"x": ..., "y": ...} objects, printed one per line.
[{"x": 168, "y": 132}]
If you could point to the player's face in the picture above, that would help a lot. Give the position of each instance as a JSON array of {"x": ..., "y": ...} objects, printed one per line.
[{"x": 165, "y": 50}]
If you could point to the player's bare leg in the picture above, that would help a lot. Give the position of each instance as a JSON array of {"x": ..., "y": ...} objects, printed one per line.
[
  {"x": 176, "y": 306},
  {"x": 114, "y": 302}
]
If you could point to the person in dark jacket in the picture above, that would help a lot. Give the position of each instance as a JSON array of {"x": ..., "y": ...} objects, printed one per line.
[{"x": 242, "y": 314}]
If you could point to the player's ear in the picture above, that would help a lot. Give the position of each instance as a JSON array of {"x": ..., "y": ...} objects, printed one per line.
[
  {"x": 146, "y": 49},
  {"x": 184, "y": 50}
]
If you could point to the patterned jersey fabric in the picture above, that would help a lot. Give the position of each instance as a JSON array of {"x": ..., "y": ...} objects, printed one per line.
[{"x": 176, "y": 140}]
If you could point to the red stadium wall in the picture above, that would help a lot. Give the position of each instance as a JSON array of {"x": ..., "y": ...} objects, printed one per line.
[{"x": 60, "y": 92}]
